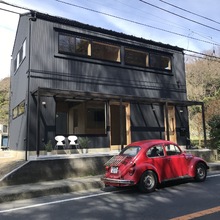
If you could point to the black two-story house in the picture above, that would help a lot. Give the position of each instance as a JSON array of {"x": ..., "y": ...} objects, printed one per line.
[{"x": 70, "y": 78}]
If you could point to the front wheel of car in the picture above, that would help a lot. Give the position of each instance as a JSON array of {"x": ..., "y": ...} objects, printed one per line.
[
  {"x": 148, "y": 182},
  {"x": 201, "y": 172}
]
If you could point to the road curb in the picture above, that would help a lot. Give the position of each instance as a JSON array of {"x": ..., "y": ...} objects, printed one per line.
[{"x": 27, "y": 191}]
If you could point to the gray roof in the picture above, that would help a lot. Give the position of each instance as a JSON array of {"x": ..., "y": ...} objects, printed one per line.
[{"x": 74, "y": 23}]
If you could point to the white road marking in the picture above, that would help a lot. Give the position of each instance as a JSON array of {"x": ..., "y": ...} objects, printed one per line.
[
  {"x": 59, "y": 201},
  {"x": 214, "y": 175},
  {"x": 73, "y": 199}
]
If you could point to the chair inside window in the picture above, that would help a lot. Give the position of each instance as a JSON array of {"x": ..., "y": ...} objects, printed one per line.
[
  {"x": 73, "y": 141},
  {"x": 60, "y": 142}
]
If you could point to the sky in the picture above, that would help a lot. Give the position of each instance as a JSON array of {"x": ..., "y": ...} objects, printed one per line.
[{"x": 190, "y": 24}]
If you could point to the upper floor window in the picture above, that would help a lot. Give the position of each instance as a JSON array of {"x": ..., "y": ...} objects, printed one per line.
[
  {"x": 83, "y": 47},
  {"x": 160, "y": 61},
  {"x": 70, "y": 44},
  {"x": 135, "y": 57},
  {"x": 66, "y": 44},
  {"x": 20, "y": 56},
  {"x": 105, "y": 51}
]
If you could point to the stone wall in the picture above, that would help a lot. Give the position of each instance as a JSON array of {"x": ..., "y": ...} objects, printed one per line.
[{"x": 206, "y": 154}]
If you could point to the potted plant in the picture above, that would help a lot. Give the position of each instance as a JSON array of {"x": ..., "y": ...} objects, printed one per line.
[
  {"x": 83, "y": 143},
  {"x": 48, "y": 147}
]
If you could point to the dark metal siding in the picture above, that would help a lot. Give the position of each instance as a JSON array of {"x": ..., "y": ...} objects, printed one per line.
[
  {"x": 48, "y": 69},
  {"x": 98, "y": 76},
  {"x": 19, "y": 89}
]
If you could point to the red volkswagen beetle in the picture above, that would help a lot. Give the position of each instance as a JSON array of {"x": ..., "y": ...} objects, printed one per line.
[{"x": 149, "y": 162}]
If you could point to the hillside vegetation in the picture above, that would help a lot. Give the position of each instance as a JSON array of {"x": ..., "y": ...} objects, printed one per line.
[
  {"x": 4, "y": 100},
  {"x": 203, "y": 84}
]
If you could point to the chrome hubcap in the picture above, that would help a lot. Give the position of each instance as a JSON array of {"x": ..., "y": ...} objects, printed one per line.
[
  {"x": 149, "y": 181},
  {"x": 200, "y": 172}
]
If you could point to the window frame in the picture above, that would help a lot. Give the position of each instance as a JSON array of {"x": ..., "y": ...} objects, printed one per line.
[
  {"x": 161, "y": 56},
  {"x": 20, "y": 56},
  {"x": 160, "y": 149},
  {"x": 18, "y": 110},
  {"x": 137, "y": 51},
  {"x": 121, "y": 59},
  {"x": 106, "y": 46},
  {"x": 176, "y": 150}
]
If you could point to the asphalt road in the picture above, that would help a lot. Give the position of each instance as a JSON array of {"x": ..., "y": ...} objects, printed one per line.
[{"x": 176, "y": 200}]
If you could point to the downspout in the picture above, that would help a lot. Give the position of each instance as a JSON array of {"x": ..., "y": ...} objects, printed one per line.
[
  {"x": 32, "y": 18},
  {"x": 38, "y": 123}
]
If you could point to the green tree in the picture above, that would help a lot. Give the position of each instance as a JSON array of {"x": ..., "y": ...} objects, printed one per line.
[
  {"x": 4, "y": 100},
  {"x": 214, "y": 124}
]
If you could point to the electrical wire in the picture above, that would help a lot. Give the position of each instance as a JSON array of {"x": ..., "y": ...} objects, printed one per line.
[
  {"x": 193, "y": 13},
  {"x": 3, "y": 9},
  {"x": 13, "y": 5},
  {"x": 204, "y": 25},
  {"x": 136, "y": 22},
  {"x": 128, "y": 20}
]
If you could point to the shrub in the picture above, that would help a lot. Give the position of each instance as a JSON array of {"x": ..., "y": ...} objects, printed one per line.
[{"x": 214, "y": 124}]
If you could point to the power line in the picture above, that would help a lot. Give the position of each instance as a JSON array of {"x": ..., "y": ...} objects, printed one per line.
[
  {"x": 128, "y": 20},
  {"x": 136, "y": 22},
  {"x": 179, "y": 15},
  {"x": 2, "y": 9},
  {"x": 201, "y": 16},
  {"x": 203, "y": 54},
  {"x": 203, "y": 58},
  {"x": 15, "y": 6}
]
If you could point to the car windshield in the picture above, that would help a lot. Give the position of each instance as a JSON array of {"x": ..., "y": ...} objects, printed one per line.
[{"x": 130, "y": 151}]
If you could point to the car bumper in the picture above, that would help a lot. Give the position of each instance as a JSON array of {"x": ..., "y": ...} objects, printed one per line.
[{"x": 117, "y": 181}]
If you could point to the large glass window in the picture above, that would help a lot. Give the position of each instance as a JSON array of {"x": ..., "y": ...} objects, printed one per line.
[
  {"x": 160, "y": 61},
  {"x": 76, "y": 45},
  {"x": 105, "y": 51},
  {"x": 95, "y": 118},
  {"x": 83, "y": 47},
  {"x": 80, "y": 117},
  {"x": 66, "y": 43},
  {"x": 135, "y": 57}
]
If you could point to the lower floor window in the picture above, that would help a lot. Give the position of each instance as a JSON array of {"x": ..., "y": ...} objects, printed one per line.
[{"x": 81, "y": 117}]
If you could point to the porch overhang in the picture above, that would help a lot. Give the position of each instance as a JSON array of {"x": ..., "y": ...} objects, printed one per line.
[
  {"x": 69, "y": 94},
  {"x": 89, "y": 96}
]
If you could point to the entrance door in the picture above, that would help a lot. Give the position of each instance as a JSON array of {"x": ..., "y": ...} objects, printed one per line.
[
  {"x": 172, "y": 124},
  {"x": 117, "y": 130}
]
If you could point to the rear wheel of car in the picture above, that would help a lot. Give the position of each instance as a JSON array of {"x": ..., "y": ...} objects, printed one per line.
[
  {"x": 201, "y": 172},
  {"x": 148, "y": 182}
]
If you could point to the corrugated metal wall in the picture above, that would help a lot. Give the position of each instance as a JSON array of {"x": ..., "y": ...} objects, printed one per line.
[{"x": 51, "y": 70}]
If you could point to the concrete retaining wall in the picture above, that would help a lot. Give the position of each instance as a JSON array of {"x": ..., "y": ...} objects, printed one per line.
[
  {"x": 62, "y": 168},
  {"x": 55, "y": 169},
  {"x": 206, "y": 154}
]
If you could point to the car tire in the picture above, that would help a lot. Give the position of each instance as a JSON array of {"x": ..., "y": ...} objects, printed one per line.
[
  {"x": 201, "y": 172},
  {"x": 148, "y": 182}
]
